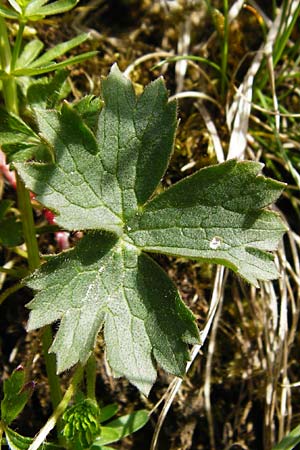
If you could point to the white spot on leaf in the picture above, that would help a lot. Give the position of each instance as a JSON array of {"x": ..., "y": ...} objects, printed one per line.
[{"x": 215, "y": 243}]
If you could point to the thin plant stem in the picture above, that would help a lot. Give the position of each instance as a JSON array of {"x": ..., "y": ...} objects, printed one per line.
[
  {"x": 12, "y": 289},
  {"x": 289, "y": 22},
  {"x": 60, "y": 409},
  {"x": 55, "y": 391},
  {"x": 9, "y": 88},
  {"x": 25, "y": 208},
  {"x": 17, "y": 46},
  {"x": 90, "y": 372},
  {"x": 224, "y": 60},
  {"x": 1, "y": 434},
  {"x": 53, "y": 379},
  {"x": 174, "y": 386}
]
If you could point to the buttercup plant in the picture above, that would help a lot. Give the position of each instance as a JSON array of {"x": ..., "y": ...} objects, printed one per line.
[
  {"x": 95, "y": 166},
  {"x": 104, "y": 183}
]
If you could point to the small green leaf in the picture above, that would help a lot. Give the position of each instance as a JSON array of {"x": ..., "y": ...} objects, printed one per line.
[
  {"x": 89, "y": 108},
  {"x": 290, "y": 441},
  {"x": 13, "y": 129},
  {"x": 121, "y": 427},
  {"x": 59, "y": 50},
  {"x": 32, "y": 5},
  {"x": 40, "y": 8},
  {"x": 8, "y": 13},
  {"x": 46, "y": 92},
  {"x": 100, "y": 447},
  {"x": 29, "y": 53},
  {"x": 18, "y": 141},
  {"x": 107, "y": 412},
  {"x": 16, "y": 395},
  {"x": 16, "y": 6},
  {"x": 29, "y": 71},
  {"x": 17, "y": 442}
]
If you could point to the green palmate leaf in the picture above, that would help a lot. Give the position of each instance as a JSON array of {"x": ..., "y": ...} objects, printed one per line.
[
  {"x": 103, "y": 181},
  {"x": 113, "y": 282}
]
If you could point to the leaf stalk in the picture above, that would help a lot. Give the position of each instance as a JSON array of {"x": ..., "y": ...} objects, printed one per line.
[
  {"x": 60, "y": 409},
  {"x": 90, "y": 373}
]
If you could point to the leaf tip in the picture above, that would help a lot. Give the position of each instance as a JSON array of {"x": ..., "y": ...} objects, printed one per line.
[{"x": 115, "y": 70}]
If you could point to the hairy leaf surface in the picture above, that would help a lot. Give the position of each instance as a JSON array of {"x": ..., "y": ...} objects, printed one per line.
[
  {"x": 220, "y": 220},
  {"x": 104, "y": 182}
]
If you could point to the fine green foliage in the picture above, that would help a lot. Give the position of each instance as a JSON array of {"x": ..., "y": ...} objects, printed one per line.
[
  {"x": 103, "y": 183},
  {"x": 20, "y": 142},
  {"x": 30, "y": 63},
  {"x": 26, "y": 60},
  {"x": 25, "y": 10}
]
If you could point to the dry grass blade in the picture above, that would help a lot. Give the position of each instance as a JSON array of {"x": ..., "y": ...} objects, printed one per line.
[
  {"x": 207, "y": 119},
  {"x": 183, "y": 45},
  {"x": 213, "y": 132},
  {"x": 144, "y": 58},
  {"x": 235, "y": 10},
  {"x": 177, "y": 382},
  {"x": 240, "y": 109},
  {"x": 208, "y": 366}
]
